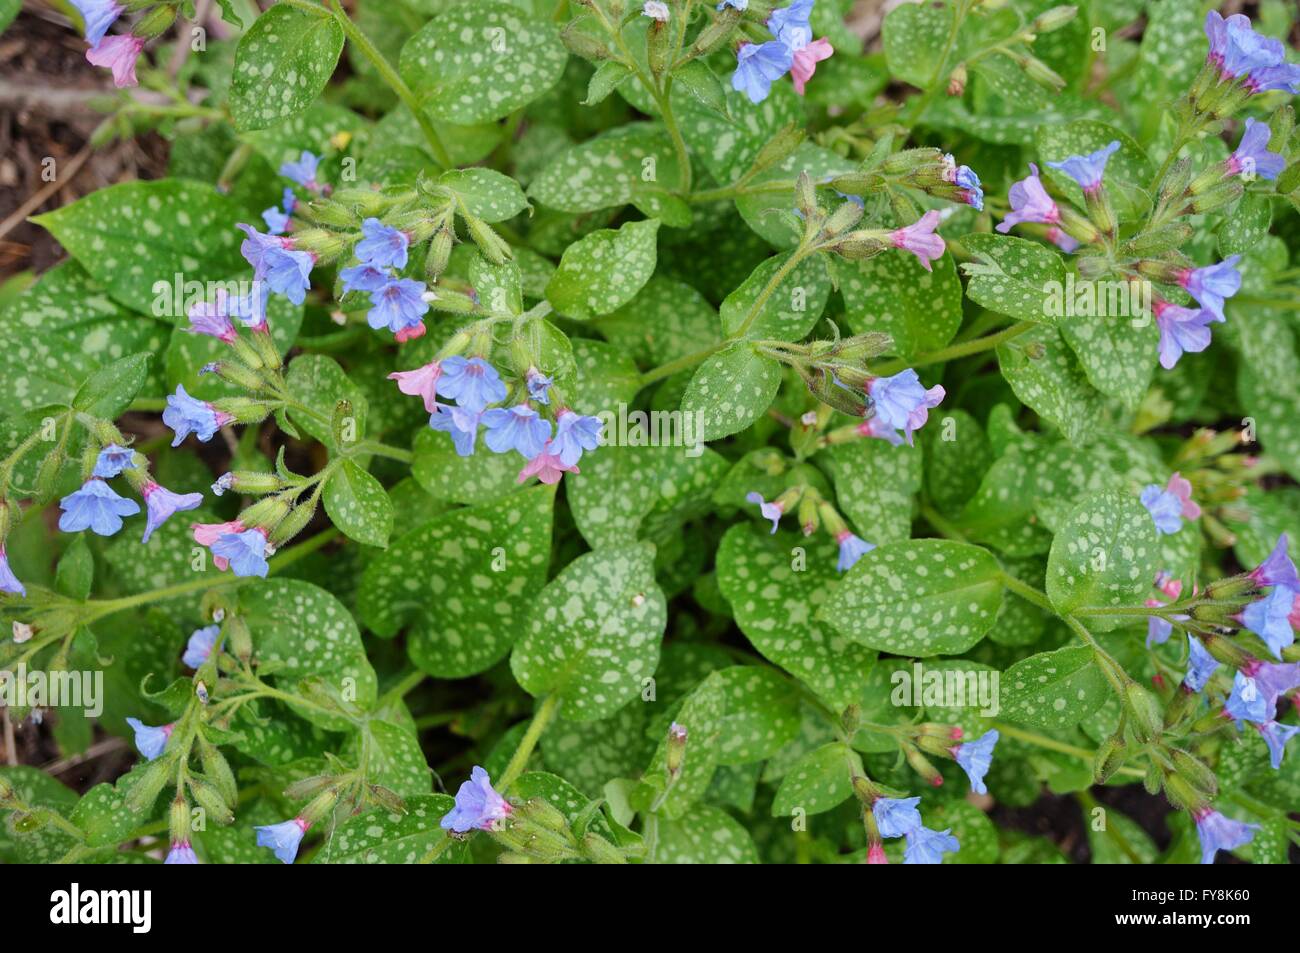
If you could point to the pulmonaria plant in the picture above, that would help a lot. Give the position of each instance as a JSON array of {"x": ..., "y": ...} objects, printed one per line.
[{"x": 663, "y": 432}]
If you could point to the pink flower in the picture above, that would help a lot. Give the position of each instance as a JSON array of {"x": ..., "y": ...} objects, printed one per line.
[
  {"x": 1057, "y": 237},
  {"x": 919, "y": 238},
  {"x": 876, "y": 854},
  {"x": 1180, "y": 487},
  {"x": 421, "y": 382},
  {"x": 410, "y": 334},
  {"x": 205, "y": 534},
  {"x": 806, "y": 60},
  {"x": 119, "y": 54},
  {"x": 546, "y": 466}
]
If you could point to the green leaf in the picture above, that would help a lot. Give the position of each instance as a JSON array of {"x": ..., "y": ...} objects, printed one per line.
[
  {"x": 47, "y": 844},
  {"x": 789, "y": 310},
  {"x": 318, "y": 383},
  {"x": 1054, "y": 689},
  {"x": 1246, "y": 226},
  {"x": 396, "y": 760},
  {"x": 914, "y": 39},
  {"x": 591, "y": 753},
  {"x": 380, "y": 837},
  {"x": 818, "y": 782},
  {"x": 762, "y": 713},
  {"x": 731, "y": 390},
  {"x": 282, "y": 64},
  {"x": 1053, "y": 384},
  {"x": 606, "y": 171},
  {"x": 1117, "y": 353},
  {"x": 702, "y": 83},
  {"x": 1014, "y": 277},
  {"x": 875, "y": 484},
  {"x": 109, "y": 391},
  {"x": 445, "y": 475},
  {"x": 704, "y": 835},
  {"x": 604, "y": 81},
  {"x": 76, "y": 570},
  {"x": 604, "y": 270},
  {"x": 479, "y": 62},
  {"x": 102, "y": 815},
  {"x": 702, "y": 714},
  {"x": 773, "y": 583},
  {"x": 358, "y": 504},
  {"x": 918, "y": 597},
  {"x": 727, "y": 144},
  {"x": 1268, "y": 384},
  {"x": 139, "y": 239},
  {"x": 919, "y": 309},
  {"x": 463, "y": 583},
  {"x": 487, "y": 193},
  {"x": 957, "y": 455},
  {"x": 667, "y": 320},
  {"x": 593, "y": 633},
  {"x": 768, "y": 210},
  {"x": 1106, "y": 555}
]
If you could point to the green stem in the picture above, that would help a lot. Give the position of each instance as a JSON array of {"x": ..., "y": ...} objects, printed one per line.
[
  {"x": 1027, "y": 592},
  {"x": 520, "y": 758},
  {"x": 954, "y": 351},
  {"x": 384, "y": 450},
  {"x": 679, "y": 144},
  {"x": 1051, "y": 744}
]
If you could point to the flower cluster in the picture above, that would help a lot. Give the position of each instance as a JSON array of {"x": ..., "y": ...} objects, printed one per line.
[
  {"x": 119, "y": 52},
  {"x": 97, "y": 507},
  {"x": 397, "y": 304},
  {"x": 792, "y": 50}
]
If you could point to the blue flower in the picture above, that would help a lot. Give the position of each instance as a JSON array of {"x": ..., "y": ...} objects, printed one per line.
[
  {"x": 478, "y": 805},
  {"x": 282, "y": 838},
  {"x": 758, "y": 66},
  {"x": 256, "y": 246},
  {"x": 96, "y": 507},
  {"x": 1201, "y": 665},
  {"x": 112, "y": 460},
  {"x": 149, "y": 741},
  {"x": 246, "y": 552},
  {"x": 539, "y": 386},
  {"x": 1277, "y": 569},
  {"x": 1245, "y": 51},
  {"x": 1220, "y": 833},
  {"x": 901, "y": 402},
  {"x": 965, "y": 177},
  {"x": 896, "y": 817},
  {"x": 1213, "y": 284},
  {"x": 772, "y": 511},
  {"x": 1247, "y": 701},
  {"x": 397, "y": 305},
  {"x": 1276, "y": 736},
  {"x": 187, "y": 415},
  {"x": 1252, "y": 156},
  {"x": 1273, "y": 680},
  {"x": 181, "y": 853},
  {"x": 790, "y": 24},
  {"x": 1182, "y": 331},
  {"x": 574, "y": 433},
  {"x": 925, "y": 846},
  {"x": 516, "y": 428},
  {"x": 852, "y": 548},
  {"x": 363, "y": 278},
  {"x": 160, "y": 503},
  {"x": 98, "y": 16},
  {"x": 250, "y": 308},
  {"x": 303, "y": 171},
  {"x": 1269, "y": 618},
  {"x": 976, "y": 757},
  {"x": 1166, "y": 509},
  {"x": 472, "y": 383},
  {"x": 288, "y": 272},
  {"x": 200, "y": 645},
  {"x": 8, "y": 581},
  {"x": 276, "y": 220},
  {"x": 460, "y": 422},
  {"x": 1087, "y": 170},
  {"x": 1283, "y": 76},
  {"x": 741, "y": 5},
  {"x": 383, "y": 246}
]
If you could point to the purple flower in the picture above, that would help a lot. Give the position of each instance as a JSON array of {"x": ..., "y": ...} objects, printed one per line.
[
  {"x": 118, "y": 53},
  {"x": 96, "y": 507},
  {"x": 1213, "y": 284},
  {"x": 1276, "y": 736},
  {"x": 1220, "y": 833},
  {"x": 902, "y": 403},
  {"x": 1248, "y": 702},
  {"x": 758, "y": 66},
  {"x": 200, "y": 645},
  {"x": 539, "y": 386},
  {"x": 363, "y": 277},
  {"x": 1062, "y": 240},
  {"x": 574, "y": 433},
  {"x": 187, "y": 415},
  {"x": 303, "y": 171},
  {"x": 1243, "y": 50},
  {"x": 1273, "y": 680},
  {"x": 98, "y": 15},
  {"x": 112, "y": 460},
  {"x": 1030, "y": 203},
  {"x": 516, "y": 428},
  {"x": 250, "y": 308},
  {"x": 921, "y": 239},
  {"x": 478, "y": 805},
  {"x": 1182, "y": 331},
  {"x": 256, "y": 246},
  {"x": 790, "y": 24},
  {"x": 1201, "y": 665},
  {"x": 1158, "y": 629},
  {"x": 1216, "y": 30},
  {"x": 976, "y": 757},
  {"x": 896, "y": 817},
  {"x": 397, "y": 305},
  {"x": 852, "y": 548},
  {"x": 472, "y": 383},
  {"x": 1277, "y": 569},
  {"x": 149, "y": 741},
  {"x": 1252, "y": 156},
  {"x": 772, "y": 511},
  {"x": 160, "y": 503},
  {"x": 1283, "y": 76},
  {"x": 245, "y": 551},
  {"x": 925, "y": 846},
  {"x": 1087, "y": 170},
  {"x": 276, "y": 221},
  {"x": 1268, "y": 618},
  {"x": 285, "y": 270},
  {"x": 383, "y": 246},
  {"x": 212, "y": 318},
  {"x": 181, "y": 853},
  {"x": 8, "y": 581},
  {"x": 460, "y": 422},
  {"x": 965, "y": 177},
  {"x": 282, "y": 838},
  {"x": 655, "y": 10}
]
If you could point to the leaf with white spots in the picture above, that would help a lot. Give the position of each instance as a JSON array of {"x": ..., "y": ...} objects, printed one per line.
[
  {"x": 462, "y": 583},
  {"x": 875, "y": 486},
  {"x": 731, "y": 390},
  {"x": 893, "y": 294},
  {"x": 957, "y": 455},
  {"x": 591, "y": 753},
  {"x": 726, "y": 145},
  {"x": 1117, "y": 353},
  {"x": 1127, "y": 171},
  {"x": 667, "y": 319},
  {"x": 913, "y": 36},
  {"x": 918, "y": 597},
  {"x": 609, "y": 170},
  {"x": 1014, "y": 277},
  {"x": 604, "y": 270},
  {"x": 757, "y": 207},
  {"x": 282, "y": 64},
  {"x": 562, "y": 796},
  {"x": 1053, "y": 689},
  {"x": 704, "y": 835},
  {"x": 702, "y": 714},
  {"x": 593, "y": 633},
  {"x": 606, "y": 376},
  {"x": 1269, "y": 383},
  {"x": 305, "y": 632},
  {"x": 762, "y": 713},
  {"x": 774, "y": 605},
  {"x": 445, "y": 475},
  {"x": 47, "y": 843},
  {"x": 358, "y": 504},
  {"x": 478, "y": 62},
  {"x": 1105, "y": 556},
  {"x": 1052, "y": 383},
  {"x": 1246, "y": 226},
  {"x": 318, "y": 383},
  {"x": 788, "y": 311},
  {"x": 487, "y": 193},
  {"x": 383, "y": 837},
  {"x": 396, "y": 759},
  {"x": 138, "y": 239},
  {"x": 110, "y": 390},
  {"x": 820, "y": 780}
]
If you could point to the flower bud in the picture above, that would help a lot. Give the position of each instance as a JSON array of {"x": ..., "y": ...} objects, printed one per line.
[
  {"x": 265, "y": 513},
  {"x": 1231, "y": 588},
  {"x": 238, "y": 637},
  {"x": 211, "y": 800},
  {"x": 294, "y": 523},
  {"x": 1053, "y": 19},
  {"x": 657, "y": 46},
  {"x": 1151, "y": 779},
  {"x": 922, "y": 766},
  {"x": 582, "y": 43},
  {"x": 808, "y": 519},
  {"x": 217, "y": 768},
  {"x": 1041, "y": 73},
  {"x": 1100, "y": 210},
  {"x": 367, "y": 203},
  {"x": 320, "y": 807},
  {"x": 155, "y": 23},
  {"x": 245, "y": 410},
  {"x": 493, "y": 246},
  {"x": 1184, "y": 795},
  {"x": 715, "y": 34},
  {"x": 842, "y": 219},
  {"x": 387, "y": 799},
  {"x": 911, "y": 160},
  {"x": 1146, "y": 715},
  {"x": 1109, "y": 758},
  {"x": 237, "y": 374},
  {"x": 1160, "y": 240},
  {"x": 252, "y": 482},
  {"x": 1225, "y": 193},
  {"x": 146, "y": 786},
  {"x": 1196, "y": 772},
  {"x": 540, "y": 811},
  {"x": 324, "y": 244},
  {"x": 435, "y": 262},
  {"x": 600, "y": 851},
  {"x": 675, "y": 754},
  {"x": 957, "y": 80},
  {"x": 178, "y": 821},
  {"x": 1213, "y": 613}
]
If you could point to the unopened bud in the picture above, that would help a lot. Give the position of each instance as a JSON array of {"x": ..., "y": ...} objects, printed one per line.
[
  {"x": 1145, "y": 713},
  {"x": 1197, "y": 773},
  {"x": 957, "y": 80},
  {"x": 922, "y": 766},
  {"x": 1217, "y": 196},
  {"x": 1053, "y": 19},
  {"x": 211, "y": 800},
  {"x": 293, "y": 523},
  {"x": 1110, "y": 756},
  {"x": 582, "y": 43},
  {"x": 493, "y": 246},
  {"x": 676, "y": 751},
  {"x": 600, "y": 851}
]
